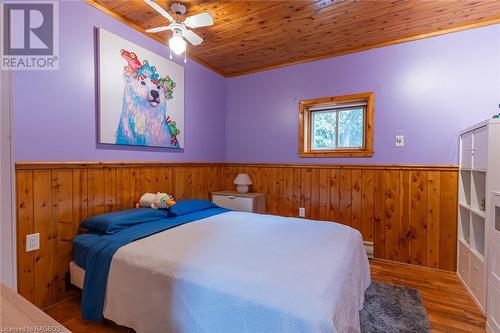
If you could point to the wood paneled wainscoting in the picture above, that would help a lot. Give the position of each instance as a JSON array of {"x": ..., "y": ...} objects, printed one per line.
[
  {"x": 53, "y": 198},
  {"x": 408, "y": 212}
]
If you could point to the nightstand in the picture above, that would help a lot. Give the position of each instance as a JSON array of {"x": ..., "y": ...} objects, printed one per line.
[{"x": 244, "y": 202}]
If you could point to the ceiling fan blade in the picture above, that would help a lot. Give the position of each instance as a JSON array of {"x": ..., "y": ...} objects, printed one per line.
[
  {"x": 160, "y": 10},
  {"x": 199, "y": 20},
  {"x": 158, "y": 29},
  {"x": 192, "y": 37}
]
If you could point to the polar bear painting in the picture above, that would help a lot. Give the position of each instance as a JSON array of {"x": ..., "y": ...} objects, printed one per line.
[
  {"x": 144, "y": 120},
  {"x": 141, "y": 96}
]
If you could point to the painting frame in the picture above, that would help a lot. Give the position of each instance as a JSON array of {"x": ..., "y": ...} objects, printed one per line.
[{"x": 139, "y": 96}]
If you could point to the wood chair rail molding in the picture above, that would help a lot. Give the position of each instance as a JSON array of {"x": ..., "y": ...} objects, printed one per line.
[
  {"x": 349, "y": 166},
  {"x": 94, "y": 165},
  {"x": 407, "y": 211}
]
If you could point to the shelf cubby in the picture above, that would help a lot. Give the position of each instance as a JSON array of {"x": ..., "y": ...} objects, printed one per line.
[
  {"x": 464, "y": 190},
  {"x": 477, "y": 227},
  {"x": 478, "y": 190},
  {"x": 464, "y": 218}
]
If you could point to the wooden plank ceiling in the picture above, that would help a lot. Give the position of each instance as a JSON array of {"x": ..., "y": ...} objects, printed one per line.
[{"x": 249, "y": 36}]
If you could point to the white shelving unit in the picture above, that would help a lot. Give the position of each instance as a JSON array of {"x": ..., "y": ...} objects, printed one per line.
[{"x": 479, "y": 174}]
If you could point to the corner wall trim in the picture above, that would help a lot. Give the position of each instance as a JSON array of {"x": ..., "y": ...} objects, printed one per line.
[{"x": 8, "y": 201}]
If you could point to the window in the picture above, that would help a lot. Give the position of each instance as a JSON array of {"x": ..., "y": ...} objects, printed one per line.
[{"x": 339, "y": 126}]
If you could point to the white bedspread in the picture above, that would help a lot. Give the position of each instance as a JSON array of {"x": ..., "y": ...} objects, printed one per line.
[{"x": 241, "y": 272}]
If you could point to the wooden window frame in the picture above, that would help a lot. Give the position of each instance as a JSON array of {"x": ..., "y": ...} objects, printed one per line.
[{"x": 305, "y": 127}]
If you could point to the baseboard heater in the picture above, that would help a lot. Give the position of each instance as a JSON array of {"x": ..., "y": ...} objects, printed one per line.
[{"x": 369, "y": 249}]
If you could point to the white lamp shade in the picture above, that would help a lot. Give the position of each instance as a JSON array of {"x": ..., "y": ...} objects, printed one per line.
[
  {"x": 177, "y": 44},
  {"x": 242, "y": 179}
]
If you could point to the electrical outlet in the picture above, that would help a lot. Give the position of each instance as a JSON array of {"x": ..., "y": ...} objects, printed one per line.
[
  {"x": 32, "y": 242},
  {"x": 302, "y": 212},
  {"x": 400, "y": 140}
]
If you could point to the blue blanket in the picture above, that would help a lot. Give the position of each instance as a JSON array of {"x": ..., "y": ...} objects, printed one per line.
[{"x": 98, "y": 254}]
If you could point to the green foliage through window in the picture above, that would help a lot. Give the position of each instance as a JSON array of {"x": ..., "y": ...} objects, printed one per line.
[
  {"x": 324, "y": 130},
  {"x": 342, "y": 128}
]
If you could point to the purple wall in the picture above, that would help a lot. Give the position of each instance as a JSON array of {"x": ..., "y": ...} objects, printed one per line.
[
  {"x": 428, "y": 90},
  {"x": 54, "y": 111}
]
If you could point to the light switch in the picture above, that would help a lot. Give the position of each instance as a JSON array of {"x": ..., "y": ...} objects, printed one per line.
[
  {"x": 400, "y": 140},
  {"x": 32, "y": 242}
]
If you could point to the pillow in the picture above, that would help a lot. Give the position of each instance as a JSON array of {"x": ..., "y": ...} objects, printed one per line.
[
  {"x": 183, "y": 207},
  {"x": 113, "y": 222}
]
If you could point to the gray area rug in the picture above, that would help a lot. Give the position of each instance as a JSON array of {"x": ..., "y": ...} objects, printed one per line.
[{"x": 393, "y": 309}]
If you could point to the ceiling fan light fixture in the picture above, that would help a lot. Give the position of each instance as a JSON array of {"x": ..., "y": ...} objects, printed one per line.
[{"x": 177, "y": 44}]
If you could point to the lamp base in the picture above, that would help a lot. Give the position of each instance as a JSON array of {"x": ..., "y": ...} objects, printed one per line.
[{"x": 242, "y": 188}]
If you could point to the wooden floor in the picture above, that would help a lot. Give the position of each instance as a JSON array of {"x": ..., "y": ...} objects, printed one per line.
[{"x": 448, "y": 304}]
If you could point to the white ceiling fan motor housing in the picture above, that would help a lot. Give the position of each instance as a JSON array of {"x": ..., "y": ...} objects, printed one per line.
[{"x": 178, "y": 8}]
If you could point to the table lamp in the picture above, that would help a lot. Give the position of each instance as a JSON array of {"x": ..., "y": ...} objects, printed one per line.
[{"x": 242, "y": 181}]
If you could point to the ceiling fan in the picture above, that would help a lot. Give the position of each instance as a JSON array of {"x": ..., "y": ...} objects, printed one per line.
[{"x": 179, "y": 29}]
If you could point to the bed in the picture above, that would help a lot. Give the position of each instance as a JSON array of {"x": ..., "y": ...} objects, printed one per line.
[{"x": 236, "y": 272}]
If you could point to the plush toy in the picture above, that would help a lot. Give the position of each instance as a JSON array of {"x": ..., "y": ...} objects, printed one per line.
[
  {"x": 146, "y": 200},
  {"x": 162, "y": 200},
  {"x": 156, "y": 201}
]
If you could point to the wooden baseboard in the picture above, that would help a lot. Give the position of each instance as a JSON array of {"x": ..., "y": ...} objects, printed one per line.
[{"x": 388, "y": 262}]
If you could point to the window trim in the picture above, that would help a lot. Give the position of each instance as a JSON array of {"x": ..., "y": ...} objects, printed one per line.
[{"x": 305, "y": 122}]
